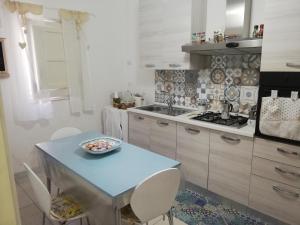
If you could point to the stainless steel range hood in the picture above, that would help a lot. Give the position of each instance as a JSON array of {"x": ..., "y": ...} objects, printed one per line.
[{"x": 238, "y": 13}]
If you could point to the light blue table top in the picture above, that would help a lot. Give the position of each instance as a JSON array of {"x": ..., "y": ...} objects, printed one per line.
[{"x": 113, "y": 173}]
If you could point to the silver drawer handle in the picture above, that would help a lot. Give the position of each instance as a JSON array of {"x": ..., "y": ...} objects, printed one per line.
[
  {"x": 192, "y": 131},
  {"x": 162, "y": 124},
  {"x": 150, "y": 65},
  {"x": 139, "y": 117},
  {"x": 287, "y": 152},
  {"x": 174, "y": 65},
  {"x": 294, "y": 65},
  {"x": 286, "y": 192},
  {"x": 282, "y": 171},
  {"x": 230, "y": 139}
]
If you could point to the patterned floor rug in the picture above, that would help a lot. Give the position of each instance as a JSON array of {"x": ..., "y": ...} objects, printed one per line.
[{"x": 196, "y": 208}]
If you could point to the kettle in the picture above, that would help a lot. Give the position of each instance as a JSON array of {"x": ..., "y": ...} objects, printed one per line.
[{"x": 227, "y": 108}]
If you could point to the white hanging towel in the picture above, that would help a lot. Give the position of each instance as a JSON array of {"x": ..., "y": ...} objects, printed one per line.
[{"x": 115, "y": 123}]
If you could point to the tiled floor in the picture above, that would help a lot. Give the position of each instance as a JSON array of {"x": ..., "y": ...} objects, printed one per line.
[{"x": 195, "y": 206}]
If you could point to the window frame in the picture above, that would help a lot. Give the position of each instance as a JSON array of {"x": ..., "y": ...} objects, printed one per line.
[{"x": 51, "y": 94}]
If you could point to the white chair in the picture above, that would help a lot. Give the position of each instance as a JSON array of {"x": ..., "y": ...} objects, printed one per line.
[
  {"x": 55, "y": 209},
  {"x": 65, "y": 132},
  {"x": 152, "y": 198}
]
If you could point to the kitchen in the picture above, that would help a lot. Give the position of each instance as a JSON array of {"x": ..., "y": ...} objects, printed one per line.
[{"x": 220, "y": 90}]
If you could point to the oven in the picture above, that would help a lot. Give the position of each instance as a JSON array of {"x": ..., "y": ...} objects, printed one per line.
[{"x": 278, "y": 111}]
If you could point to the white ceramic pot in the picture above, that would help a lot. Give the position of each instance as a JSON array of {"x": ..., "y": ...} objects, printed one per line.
[{"x": 138, "y": 101}]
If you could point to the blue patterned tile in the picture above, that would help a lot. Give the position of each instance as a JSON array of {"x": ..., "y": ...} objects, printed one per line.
[{"x": 196, "y": 208}]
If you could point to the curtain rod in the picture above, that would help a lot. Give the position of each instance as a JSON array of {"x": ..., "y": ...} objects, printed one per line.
[{"x": 52, "y": 8}]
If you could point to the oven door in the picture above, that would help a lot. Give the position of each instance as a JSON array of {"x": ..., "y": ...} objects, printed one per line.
[{"x": 278, "y": 118}]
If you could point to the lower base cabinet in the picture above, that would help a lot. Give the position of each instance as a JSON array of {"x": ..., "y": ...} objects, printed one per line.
[
  {"x": 193, "y": 152},
  {"x": 275, "y": 199},
  {"x": 139, "y": 130},
  {"x": 230, "y": 166},
  {"x": 163, "y": 138},
  {"x": 222, "y": 163}
]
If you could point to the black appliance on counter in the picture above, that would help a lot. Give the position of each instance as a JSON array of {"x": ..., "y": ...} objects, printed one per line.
[{"x": 285, "y": 83}]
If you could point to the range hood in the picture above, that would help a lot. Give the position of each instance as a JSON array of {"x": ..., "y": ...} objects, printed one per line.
[{"x": 238, "y": 13}]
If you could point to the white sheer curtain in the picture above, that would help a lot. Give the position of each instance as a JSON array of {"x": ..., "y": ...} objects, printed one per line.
[
  {"x": 26, "y": 106},
  {"x": 77, "y": 57}
]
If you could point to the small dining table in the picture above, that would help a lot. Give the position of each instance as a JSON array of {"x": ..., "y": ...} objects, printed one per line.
[{"x": 103, "y": 184}]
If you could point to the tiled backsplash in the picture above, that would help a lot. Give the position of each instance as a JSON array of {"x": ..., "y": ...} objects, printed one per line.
[{"x": 233, "y": 77}]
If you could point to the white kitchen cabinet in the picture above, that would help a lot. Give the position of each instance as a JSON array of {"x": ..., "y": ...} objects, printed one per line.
[
  {"x": 164, "y": 26},
  {"x": 151, "y": 14},
  {"x": 230, "y": 166},
  {"x": 281, "y": 45},
  {"x": 192, "y": 152},
  {"x": 139, "y": 130},
  {"x": 163, "y": 137}
]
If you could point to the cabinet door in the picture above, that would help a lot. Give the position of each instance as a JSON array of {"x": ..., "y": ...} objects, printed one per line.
[
  {"x": 165, "y": 25},
  {"x": 177, "y": 29},
  {"x": 163, "y": 138},
  {"x": 192, "y": 152},
  {"x": 230, "y": 166},
  {"x": 139, "y": 130},
  {"x": 281, "y": 45},
  {"x": 151, "y": 14}
]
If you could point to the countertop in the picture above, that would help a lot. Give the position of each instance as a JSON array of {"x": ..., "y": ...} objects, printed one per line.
[{"x": 247, "y": 131}]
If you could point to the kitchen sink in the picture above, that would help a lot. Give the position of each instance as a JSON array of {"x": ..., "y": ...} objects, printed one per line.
[{"x": 165, "y": 110}]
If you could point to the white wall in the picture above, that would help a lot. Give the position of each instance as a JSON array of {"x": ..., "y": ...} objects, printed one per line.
[{"x": 112, "y": 33}]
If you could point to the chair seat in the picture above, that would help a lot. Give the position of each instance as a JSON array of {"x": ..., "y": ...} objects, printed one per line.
[
  {"x": 65, "y": 208},
  {"x": 128, "y": 216}
]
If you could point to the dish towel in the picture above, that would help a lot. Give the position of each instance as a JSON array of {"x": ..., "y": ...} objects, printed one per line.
[
  {"x": 115, "y": 123},
  {"x": 280, "y": 117}
]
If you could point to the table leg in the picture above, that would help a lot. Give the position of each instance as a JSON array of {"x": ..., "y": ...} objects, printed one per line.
[
  {"x": 49, "y": 184},
  {"x": 118, "y": 216}
]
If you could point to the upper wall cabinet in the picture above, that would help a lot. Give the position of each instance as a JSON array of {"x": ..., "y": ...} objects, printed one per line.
[
  {"x": 164, "y": 26},
  {"x": 281, "y": 44}
]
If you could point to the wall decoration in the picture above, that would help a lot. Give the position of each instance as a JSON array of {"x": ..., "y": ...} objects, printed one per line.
[
  {"x": 232, "y": 93},
  {"x": 3, "y": 62},
  {"x": 233, "y": 77},
  {"x": 218, "y": 76},
  {"x": 250, "y": 77},
  {"x": 249, "y": 94}
]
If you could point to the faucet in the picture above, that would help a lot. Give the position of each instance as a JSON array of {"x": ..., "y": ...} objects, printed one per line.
[{"x": 170, "y": 101}]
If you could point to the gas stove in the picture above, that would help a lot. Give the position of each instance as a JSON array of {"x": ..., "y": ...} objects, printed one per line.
[{"x": 233, "y": 121}]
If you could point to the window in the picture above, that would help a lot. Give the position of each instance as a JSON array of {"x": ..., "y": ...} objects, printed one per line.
[{"x": 49, "y": 61}]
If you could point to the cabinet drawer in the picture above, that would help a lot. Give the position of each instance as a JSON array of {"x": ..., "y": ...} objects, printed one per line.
[
  {"x": 163, "y": 137},
  {"x": 276, "y": 171},
  {"x": 230, "y": 166},
  {"x": 192, "y": 152},
  {"x": 275, "y": 199},
  {"x": 276, "y": 151},
  {"x": 231, "y": 147},
  {"x": 139, "y": 130}
]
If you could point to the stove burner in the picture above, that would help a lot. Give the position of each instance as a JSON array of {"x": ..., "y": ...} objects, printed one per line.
[{"x": 234, "y": 121}]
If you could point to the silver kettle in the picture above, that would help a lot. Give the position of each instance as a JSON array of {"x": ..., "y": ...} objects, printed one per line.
[{"x": 227, "y": 108}]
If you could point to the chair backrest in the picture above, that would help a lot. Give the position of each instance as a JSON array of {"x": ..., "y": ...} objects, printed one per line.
[
  {"x": 65, "y": 132},
  {"x": 155, "y": 195},
  {"x": 40, "y": 190}
]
